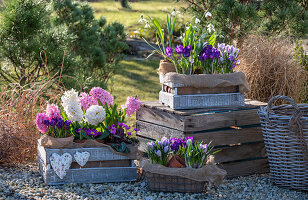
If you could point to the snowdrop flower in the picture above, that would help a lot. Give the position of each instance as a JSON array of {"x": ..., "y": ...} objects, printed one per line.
[
  {"x": 210, "y": 28},
  {"x": 197, "y": 21},
  {"x": 208, "y": 14},
  {"x": 141, "y": 20},
  {"x": 95, "y": 115},
  {"x": 147, "y": 25},
  {"x": 174, "y": 12},
  {"x": 187, "y": 27}
]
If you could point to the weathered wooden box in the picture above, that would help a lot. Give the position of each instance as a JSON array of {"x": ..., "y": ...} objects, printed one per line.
[
  {"x": 236, "y": 131},
  {"x": 103, "y": 166},
  {"x": 177, "y": 96}
]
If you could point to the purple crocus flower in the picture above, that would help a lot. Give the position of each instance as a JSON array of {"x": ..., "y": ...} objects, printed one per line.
[
  {"x": 135, "y": 129},
  {"x": 166, "y": 149},
  {"x": 158, "y": 153},
  {"x": 46, "y": 122},
  {"x": 169, "y": 51},
  {"x": 204, "y": 147},
  {"x": 186, "y": 51},
  {"x": 60, "y": 123},
  {"x": 92, "y": 132},
  {"x": 52, "y": 122},
  {"x": 67, "y": 123},
  {"x": 179, "y": 49},
  {"x": 120, "y": 124},
  {"x": 165, "y": 141},
  {"x": 150, "y": 145}
]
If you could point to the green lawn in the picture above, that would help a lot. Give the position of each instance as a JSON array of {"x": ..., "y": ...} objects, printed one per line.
[
  {"x": 136, "y": 78},
  {"x": 113, "y": 11}
]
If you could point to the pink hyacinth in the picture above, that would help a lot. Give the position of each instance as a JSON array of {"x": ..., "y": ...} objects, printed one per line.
[
  {"x": 132, "y": 105},
  {"x": 40, "y": 122},
  {"x": 52, "y": 111},
  {"x": 86, "y": 101},
  {"x": 102, "y": 95}
]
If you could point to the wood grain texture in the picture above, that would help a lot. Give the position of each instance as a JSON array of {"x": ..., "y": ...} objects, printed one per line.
[
  {"x": 221, "y": 137},
  {"x": 240, "y": 152},
  {"x": 160, "y": 117},
  {"x": 245, "y": 168}
]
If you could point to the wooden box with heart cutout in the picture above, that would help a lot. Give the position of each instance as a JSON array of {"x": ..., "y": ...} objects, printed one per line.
[{"x": 100, "y": 164}]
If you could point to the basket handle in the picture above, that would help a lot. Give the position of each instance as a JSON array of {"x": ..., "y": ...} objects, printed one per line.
[
  {"x": 295, "y": 123},
  {"x": 278, "y": 97}
]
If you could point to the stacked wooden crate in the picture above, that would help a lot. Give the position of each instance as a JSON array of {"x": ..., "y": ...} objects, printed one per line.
[
  {"x": 235, "y": 130},
  {"x": 103, "y": 166}
]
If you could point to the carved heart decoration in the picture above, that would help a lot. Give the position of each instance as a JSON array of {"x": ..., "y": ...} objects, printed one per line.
[
  {"x": 61, "y": 164},
  {"x": 82, "y": 158}
]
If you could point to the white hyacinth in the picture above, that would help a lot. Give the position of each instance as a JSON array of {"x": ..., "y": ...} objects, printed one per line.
[
  {"x": 69, "y": 96},
  {"x": 95, "y": 115},
  {"x": 71, "y": 105},
  {"x": 73, "y": 111}
]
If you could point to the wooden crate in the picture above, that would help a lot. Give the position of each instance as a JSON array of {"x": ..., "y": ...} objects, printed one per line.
[
  {"x": 103, "y": 166},
  {"x": 235, "y": 130},
  {"x": 177, "y": 96}
]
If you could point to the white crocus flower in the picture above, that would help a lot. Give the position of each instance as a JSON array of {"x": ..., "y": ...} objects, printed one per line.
[
  {"x": 95, "y": 115},
  {"x": 210, "y": 28},
  {"x": 197, "y": 21},
  {"x": 208, "y": 14}
]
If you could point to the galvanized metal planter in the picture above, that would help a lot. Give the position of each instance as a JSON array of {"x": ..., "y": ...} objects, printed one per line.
[
  {"x": 178, "y": 96},
  {"x": 103, "y": 166}
]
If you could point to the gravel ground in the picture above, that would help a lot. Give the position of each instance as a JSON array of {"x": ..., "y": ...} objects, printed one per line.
[{"x": 25, "y": 182}]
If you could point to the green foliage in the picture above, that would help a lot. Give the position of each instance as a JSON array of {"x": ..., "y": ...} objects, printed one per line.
[
  {"x": 232, "y": 19},
  {"x": 285, "y": 17},
  {"x": 61, "y": 29},
  {"x": 300, "y": 56},
  {"x": 235, "y": 19},
  {"x": 25, "y": 31},
  {"x": 99, "y": 46},
  {"x": 125, "y": 4}
]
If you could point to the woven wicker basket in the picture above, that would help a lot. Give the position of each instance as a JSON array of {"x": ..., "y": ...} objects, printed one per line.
[
  {"x": 163, "y": 183},
  {"x": 285, "y": 131}
]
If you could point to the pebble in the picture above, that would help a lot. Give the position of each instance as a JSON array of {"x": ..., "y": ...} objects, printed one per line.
[{"x": 25, "y": 182}]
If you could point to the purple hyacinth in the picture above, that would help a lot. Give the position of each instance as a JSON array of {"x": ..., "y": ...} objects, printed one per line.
[
  {"x": 169, "y": 51},
  {"x": 186, "y": 51},
  {"x": 179, "y": 49}
]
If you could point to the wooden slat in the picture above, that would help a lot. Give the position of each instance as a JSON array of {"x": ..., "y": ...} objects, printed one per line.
[
  {"x": 221, "y": 137},
  {"x": 157, "y": 132},
  {"x": 245, "y": 168},
  {"x": 249, "y": 104},
  {"x": 209, "y": 121},
  {"x": 240, "y": 152},
  {"x": 230, "y": 136},
  {"x": 161, "y": 118},
  {"x": 96, "y": 154},
  {"x": 93, "y": 175},
  {"x": 109, "y": 163}
]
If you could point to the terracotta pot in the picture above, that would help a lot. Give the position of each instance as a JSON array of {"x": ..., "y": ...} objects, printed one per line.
[
  {"x": 80, "y": 141},
  {"x": 176, "y": 162}
]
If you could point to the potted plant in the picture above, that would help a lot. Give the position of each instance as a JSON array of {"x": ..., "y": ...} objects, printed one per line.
[
  {"x": 54, "y": 127},
  {"x": 180, "y": 165},
  {"x": 200, "y": 72}
]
